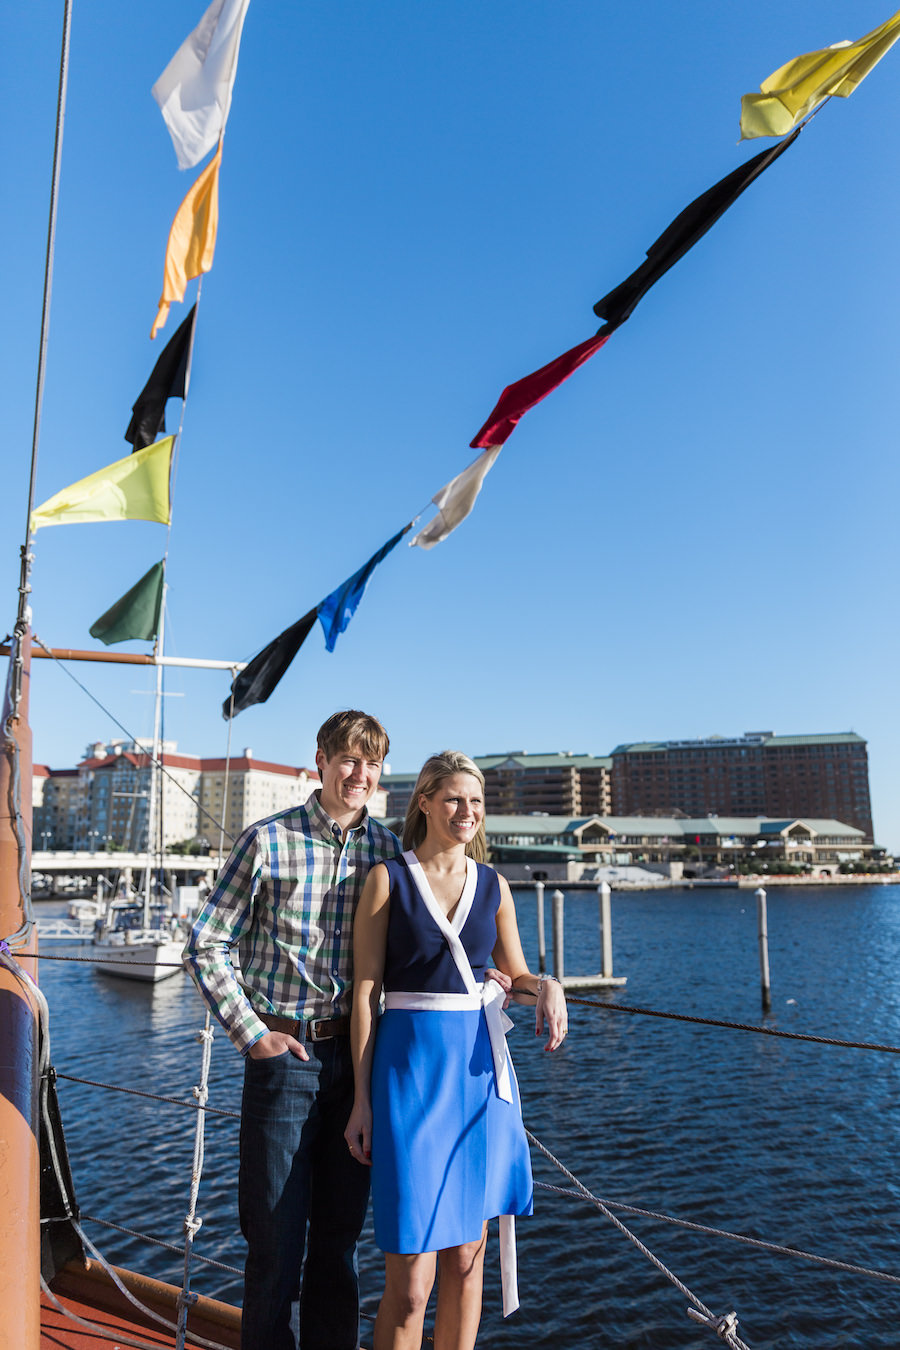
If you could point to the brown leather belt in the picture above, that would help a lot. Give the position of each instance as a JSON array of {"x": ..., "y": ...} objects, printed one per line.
[{"x": 319, "y": 1029}]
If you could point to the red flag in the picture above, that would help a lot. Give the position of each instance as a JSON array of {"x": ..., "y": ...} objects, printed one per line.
[{"x": 517, "y": 398}]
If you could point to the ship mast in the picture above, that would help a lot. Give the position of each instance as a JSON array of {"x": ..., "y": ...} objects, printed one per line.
[{"x": 23, "y": 615}]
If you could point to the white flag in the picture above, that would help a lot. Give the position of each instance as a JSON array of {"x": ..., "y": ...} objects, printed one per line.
[
  {"x": 194, "y": 90},
  {"x": 456, "y": 499}
]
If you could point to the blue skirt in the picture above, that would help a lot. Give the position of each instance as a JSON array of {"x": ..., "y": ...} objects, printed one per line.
[{"x": 447, "y": 1151}]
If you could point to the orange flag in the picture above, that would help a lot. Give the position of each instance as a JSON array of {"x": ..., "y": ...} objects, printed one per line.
[{"x": 192, "y": 238}]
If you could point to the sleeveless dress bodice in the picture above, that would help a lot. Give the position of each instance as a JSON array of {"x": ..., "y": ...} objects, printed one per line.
[{"x": 417, "y": 956}]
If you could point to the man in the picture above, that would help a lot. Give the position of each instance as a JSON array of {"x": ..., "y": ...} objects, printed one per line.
[{"x": 285, "y": 900}]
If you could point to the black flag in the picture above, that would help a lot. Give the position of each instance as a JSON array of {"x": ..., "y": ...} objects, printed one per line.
[
  {"x": 148, "y": 416},
  {"x": 682, "y": 234},
  {"x": 256, "y": 681}
]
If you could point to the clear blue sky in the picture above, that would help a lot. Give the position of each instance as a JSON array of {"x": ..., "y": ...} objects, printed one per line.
[{"x": 419, "y": 204}]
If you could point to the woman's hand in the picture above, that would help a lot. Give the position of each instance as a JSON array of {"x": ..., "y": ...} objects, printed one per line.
[
  {"x": 551, "y": 1012},
  {"x": 504, "y": 982},
  {"x": 358, "y": 1133}
]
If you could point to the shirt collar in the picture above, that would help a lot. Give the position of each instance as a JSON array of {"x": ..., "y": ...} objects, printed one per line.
[{"x": 330, "y": 829}]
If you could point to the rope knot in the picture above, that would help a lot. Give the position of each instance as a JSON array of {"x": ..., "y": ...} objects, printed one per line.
[
  {"x": 724, "y": 1327},
  {"x": 205, "y": 1035},
  {"x": 187, "y": 1299},
  {"x": 192, "y": 1226},
  {"x": 202, "y": 1094}
]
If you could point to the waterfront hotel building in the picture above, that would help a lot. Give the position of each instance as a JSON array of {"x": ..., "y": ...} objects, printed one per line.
[{"x": 822, "y": 776}]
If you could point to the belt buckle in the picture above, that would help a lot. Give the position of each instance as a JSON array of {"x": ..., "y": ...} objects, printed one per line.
[{"x": 312, "y": 1029}]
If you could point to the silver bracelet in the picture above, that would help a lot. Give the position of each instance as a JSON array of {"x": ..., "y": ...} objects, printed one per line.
[{"x": 542, "y": 980}]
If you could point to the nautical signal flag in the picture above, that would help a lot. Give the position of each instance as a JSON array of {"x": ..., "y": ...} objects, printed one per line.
[
  {"x": 517, "y": 398},
  {"x": 683, "y": 233},
  {"x": 192, "y": 238},
  {"x": 795, "y": 89},
  {"x": 134, "y": 488},
  {"x": 338, "y": 608},
  {"x": 259, "y": 677},
  {"x": 136, "y": 613},
  {"x": 194, "y": 91},
  {"x": 455, "y": 500},
  {"x": 169, "y": 379}
]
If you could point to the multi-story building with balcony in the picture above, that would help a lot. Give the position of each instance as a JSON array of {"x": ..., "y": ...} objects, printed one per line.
[
  {"x": 56, "y": 794},
  {"x": 519, "y": 784},
  {"x": 821, "y": 776},
  {"x": 104, "y": 802}
]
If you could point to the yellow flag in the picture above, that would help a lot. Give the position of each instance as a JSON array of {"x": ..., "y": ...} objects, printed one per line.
[
  {"x": 793, "y": 91},
  {"x": 192, "y": 238},
  {"x": 134, "y": 488}
]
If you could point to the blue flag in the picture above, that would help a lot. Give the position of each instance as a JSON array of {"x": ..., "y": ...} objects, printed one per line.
[{"x": 337, "y": 609}]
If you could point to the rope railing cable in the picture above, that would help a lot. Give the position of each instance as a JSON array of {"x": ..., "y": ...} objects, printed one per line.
[
  {"x": 724, "y": 1326},
  {"x": 150, "y": 1096},
  {"x": 104, "y": 961},
  {"x": 734, "y": 1026},
  {"x": 775, "y": 1248},
  {"x": 158, "y": 1242}
]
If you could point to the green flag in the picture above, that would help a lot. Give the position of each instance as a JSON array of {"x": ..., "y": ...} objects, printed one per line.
[{"x": 136, "y": 614}]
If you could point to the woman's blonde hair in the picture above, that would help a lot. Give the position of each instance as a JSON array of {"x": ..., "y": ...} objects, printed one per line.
[{"x": 431, "y": 775}]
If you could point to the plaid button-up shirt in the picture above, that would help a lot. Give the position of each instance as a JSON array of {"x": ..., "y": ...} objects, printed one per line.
[{"x": 285, "y": 902}]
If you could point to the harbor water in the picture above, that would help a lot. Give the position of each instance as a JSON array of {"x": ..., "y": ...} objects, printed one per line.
[{"x": 792, "y": 1143}]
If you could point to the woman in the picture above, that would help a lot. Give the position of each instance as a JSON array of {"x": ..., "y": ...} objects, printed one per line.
[{"x": 437, "y": 1112}]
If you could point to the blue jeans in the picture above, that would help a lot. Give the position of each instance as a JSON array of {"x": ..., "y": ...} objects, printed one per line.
[{"x": 296, "y": 1170}]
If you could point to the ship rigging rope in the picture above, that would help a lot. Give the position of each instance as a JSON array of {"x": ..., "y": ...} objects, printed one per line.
[
  {"x": 735, "y": 1026},
  {"x": 725, "y": 1326},
  {"x": 774, "y": 1247},
  {"x": 191, "y": 1222},
  {"x": 23, "y": 934},
  {"x": 151, "y": 1096},
  {"x": 171, "y": 1246},
  {"x": 130, "y": 734}
]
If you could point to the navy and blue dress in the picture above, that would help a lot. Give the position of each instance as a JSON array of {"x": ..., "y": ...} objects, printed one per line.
[{"x": 448, "y": 1152}]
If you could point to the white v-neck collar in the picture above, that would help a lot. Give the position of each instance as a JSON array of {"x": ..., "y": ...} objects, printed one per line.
[{"x": 450, "y": 929}]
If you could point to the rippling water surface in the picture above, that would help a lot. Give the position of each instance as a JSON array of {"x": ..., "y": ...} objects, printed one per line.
[{"x": 789, "y": 1142}]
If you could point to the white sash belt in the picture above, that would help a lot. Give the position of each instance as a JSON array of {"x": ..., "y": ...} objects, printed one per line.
[{"x": 490, "y": 997}]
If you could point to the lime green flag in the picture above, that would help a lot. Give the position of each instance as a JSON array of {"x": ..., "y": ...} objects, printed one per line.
[
  {"x": 134, "y": 488},
  {"x": 790, "y": 93},
  {"x": 136, "y": 613}
]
